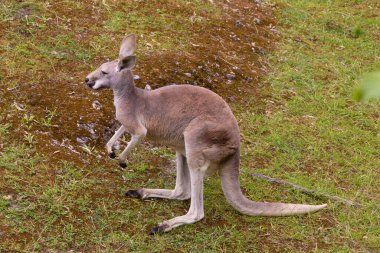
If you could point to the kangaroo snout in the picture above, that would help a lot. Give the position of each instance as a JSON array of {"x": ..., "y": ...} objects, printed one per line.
[{"x": 89, "y": 83}]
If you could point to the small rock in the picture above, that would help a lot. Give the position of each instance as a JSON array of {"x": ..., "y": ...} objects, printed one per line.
[
  {"x": 8, "y": 197},
  {"x": 258, "y": 50},
  {"x": 273, "y": 28},
  {"x": 13, "y": 87},
  {"x": 258, "y": 21},
  {"x": 232, "y": 98},
  {"x": 148, "y": 88},
  {"x": 231, "y": 76},
  {"x": 96, "y": 105},
  {"x": 23, "y": 12},
  {"x": 188, "y": 74},
  {"x": 88, "y": 127},
  {"x": 238, "y": 23},
  {"x": 18, "y": 106},
  {"x": 14, "y": 207},
  {"x": 136, "y": 77},
  {"x": 82, "y": 140}
]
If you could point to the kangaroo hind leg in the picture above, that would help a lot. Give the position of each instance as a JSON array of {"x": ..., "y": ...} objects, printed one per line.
[
  {"x": 196, "y": 210},
  {"x": 182, "y": 186}
]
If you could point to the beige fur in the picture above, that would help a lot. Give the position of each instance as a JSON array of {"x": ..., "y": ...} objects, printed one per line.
[{"x": 197, "y": 123}]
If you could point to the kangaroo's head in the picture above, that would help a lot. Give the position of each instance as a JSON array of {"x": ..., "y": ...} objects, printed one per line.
[{"x": 117, "y": 72}]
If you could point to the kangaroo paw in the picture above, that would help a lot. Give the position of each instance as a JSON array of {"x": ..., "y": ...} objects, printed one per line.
[
  {"x": 158, "y": 229},
  {"x": 133, "y": 194},
  {"x": 123, "y": 165},
  {"x": 112, "y": 155}
]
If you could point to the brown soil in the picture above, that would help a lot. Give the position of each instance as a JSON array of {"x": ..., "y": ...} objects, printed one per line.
[{"x": 235, "y": 45}]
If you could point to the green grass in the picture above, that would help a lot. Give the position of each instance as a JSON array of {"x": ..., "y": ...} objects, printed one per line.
[
  {"x": 305, "y": 128},
  {"x": 314, "y": 134}
]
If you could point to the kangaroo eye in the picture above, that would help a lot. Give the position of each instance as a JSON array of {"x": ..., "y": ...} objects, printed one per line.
[{"x": 104, "y": 73}]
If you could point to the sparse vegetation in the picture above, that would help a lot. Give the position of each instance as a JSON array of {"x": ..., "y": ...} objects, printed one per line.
[{"x": 294, "y": 106}]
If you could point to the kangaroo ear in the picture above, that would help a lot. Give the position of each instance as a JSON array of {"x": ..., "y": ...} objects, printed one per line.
[
  {"x": 127, "y": 46},
  {"x": 126, "y": 63}
]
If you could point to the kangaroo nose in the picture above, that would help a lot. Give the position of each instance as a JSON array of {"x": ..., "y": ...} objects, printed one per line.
[{"x": 86, "y": 80}]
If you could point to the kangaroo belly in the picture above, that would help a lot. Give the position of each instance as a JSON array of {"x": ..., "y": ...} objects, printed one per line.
[{"x": 164, "y": 136}]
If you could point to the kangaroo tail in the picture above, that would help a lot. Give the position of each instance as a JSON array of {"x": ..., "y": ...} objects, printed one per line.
[{"x": 229, "y": 173}]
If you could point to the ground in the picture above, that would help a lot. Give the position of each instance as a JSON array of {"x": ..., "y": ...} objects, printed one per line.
[{"x": 287, "y": 69}]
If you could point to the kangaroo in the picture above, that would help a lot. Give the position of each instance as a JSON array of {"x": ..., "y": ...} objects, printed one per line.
[{"x": 193, "y": 120}]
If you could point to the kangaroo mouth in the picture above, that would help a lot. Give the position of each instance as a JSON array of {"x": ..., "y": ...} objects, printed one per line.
[
  {"x": 98, "y": 88},
  {"x": 90, "y": 84}
]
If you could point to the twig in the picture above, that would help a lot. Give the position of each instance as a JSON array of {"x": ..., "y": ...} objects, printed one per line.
[
  {"x": 305, "y": 190},
  {"x": 105, "y": 4}
]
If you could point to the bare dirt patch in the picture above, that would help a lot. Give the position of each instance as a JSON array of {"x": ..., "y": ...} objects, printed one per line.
[
  {"x": 48, "y": 49},
  {"x": 225, "y": 53}
]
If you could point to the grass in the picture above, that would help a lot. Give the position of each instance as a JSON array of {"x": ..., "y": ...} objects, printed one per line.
[
  {"x": 313, "y": 133},
  {"x": 304, "y": 128}
]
